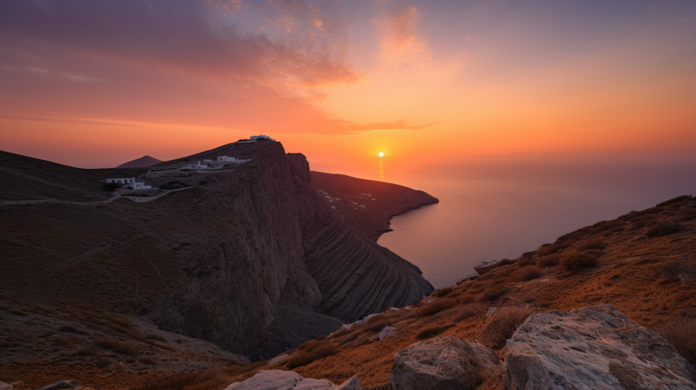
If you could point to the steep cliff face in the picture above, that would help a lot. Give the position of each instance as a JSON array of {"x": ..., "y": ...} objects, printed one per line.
[
  {"x": 355, "y": 276},
  {"x": 253, "y": 258}
]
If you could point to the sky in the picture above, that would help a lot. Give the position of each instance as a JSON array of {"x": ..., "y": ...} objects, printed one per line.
[{"x": 95, "y": 83}]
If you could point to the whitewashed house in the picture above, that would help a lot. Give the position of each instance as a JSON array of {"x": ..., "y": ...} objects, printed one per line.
[
  {"x": 128, "y": 180},
  {"x": 255, "y": 138}
]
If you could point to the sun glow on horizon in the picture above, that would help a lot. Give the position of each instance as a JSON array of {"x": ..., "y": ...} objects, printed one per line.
[{"x": 380, "y": 154}]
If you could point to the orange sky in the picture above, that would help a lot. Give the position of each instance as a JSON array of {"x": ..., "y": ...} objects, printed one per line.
[{"x": 344, "y": 80}]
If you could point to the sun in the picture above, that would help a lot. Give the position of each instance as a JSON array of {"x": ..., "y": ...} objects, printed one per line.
[{"x": 380, "y": 154}]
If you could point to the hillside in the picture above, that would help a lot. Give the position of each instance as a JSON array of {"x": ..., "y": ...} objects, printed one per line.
[
  {"x": 368, "y": 205},
  {"x": 250, "y": 258},
  {"x": 641, "y": 263},
  {"x": 141, "y": 162}
]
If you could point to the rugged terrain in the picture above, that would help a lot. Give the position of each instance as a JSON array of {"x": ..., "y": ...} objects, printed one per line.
[
  {"x": 366, "y": 204},
  {"x": 250, "y": 258},
  {"x": 642, "y": 264}
]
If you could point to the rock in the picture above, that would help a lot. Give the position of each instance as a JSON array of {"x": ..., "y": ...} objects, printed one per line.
[
  {"x": 282, "y": 380},
  {"x": 638, "y": 238},
  {"x": 64, "y": 384},
  {"x": 442, "y": 363},
  {"x": 595, "y": 347},
  {"x": 5, "y": 386},
  {"x": 351, "y": 384},
  {"x": 387, "y": 332},
  {"x": 429, "y": 301},
  {"x": 278, "y": 359},
  {"x": 491, "y": 311}
]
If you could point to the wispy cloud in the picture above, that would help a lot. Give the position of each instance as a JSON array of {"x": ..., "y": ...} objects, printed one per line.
[{"x": 400, "y": 41}]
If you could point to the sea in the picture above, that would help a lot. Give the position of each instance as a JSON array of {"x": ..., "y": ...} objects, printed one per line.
[{"x": 491, "y": 210}]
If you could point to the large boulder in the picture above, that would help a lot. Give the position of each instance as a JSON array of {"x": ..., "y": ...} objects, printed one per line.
[
  {"x": 442, "y": 363},
  {"x": 595, "y": 347},
  {"x": 285, "y": 380}
]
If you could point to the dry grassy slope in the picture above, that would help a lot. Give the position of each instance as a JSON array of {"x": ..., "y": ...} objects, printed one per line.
[
  {"x": 645, "y": 266},
  {"x": 382, "y": 201}
]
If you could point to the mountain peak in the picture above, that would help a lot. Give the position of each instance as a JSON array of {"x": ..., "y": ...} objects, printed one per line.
[{"x": 141, "y": 162}]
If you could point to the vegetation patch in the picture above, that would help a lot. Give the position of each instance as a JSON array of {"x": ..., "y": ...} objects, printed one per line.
[
  {"x": 492, "y": 294},
  {"x": 575, "y": 262},
  {"x": 549, "y": 261},
  {"x": 436, "y": 307},
  {"x": 432, "y": 331},
  {"x": 319, "y": 350},
  {"x": 665, "y": 229},
  {"x": 527, "y": 273},
  {"x": 502, "y": 325},
  {"x": 442, "y": 292}
]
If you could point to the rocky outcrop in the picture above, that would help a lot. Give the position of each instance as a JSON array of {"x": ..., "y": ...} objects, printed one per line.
[
  {"x": 387, "y": 332},
  {"x": 285, "y": 380},
  {"x": 441, "y": 364},
  {"x": 592, "y": 348}
]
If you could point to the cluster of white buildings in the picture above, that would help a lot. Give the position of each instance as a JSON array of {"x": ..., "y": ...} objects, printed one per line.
[
  {"x": 129, "y": 181},
  {"x": 214, "y": 164},
  {"x": 328, "y": 197},
  {"x": 255, "y": 138}
]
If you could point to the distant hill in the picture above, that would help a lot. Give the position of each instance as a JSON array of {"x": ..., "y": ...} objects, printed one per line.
[{"x": 142, "y": 162}]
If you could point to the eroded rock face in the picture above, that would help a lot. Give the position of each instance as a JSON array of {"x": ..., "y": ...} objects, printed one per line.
[
  {"x": 282, "y": 380},
  {"x": 442, "y": 363},
  {"x": 592, "y": 348}
]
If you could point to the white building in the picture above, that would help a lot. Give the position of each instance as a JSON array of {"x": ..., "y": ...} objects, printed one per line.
[
  {"x": 130, "y": 181},
  {"x": 255, "y": 138},
  {"x": 230, "y": 160},
  {"x": 140, "y": 186}
]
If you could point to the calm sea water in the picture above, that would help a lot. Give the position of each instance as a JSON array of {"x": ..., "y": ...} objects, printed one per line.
[{"x": 496, "y": 210}]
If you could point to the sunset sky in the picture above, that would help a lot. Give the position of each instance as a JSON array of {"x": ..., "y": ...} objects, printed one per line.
[{"x": 94, "y": 83}]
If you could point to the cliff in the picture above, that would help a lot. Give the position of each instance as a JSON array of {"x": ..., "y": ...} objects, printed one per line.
[{"x": 250, "y": 258}]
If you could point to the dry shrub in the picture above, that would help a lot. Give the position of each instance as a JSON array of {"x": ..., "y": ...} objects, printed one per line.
[
  {"x": 681, "y": 333},
  {"x": 150, "y": 361},
  {"x": 527, "y": 274},
  {"x": 156, "y": 337},
  {"x": 548, "y": 249},
  {"x": 348, "y": 339},
  {"x": 665, "y": 229},
  {"x": 432, "y": 331},
  {"x": 549, "y": 261},
  {"x": 442, "y": 292},
  {"x": 575, "y": 262},
  {"x": 304, "y": 358},
  {"x": 122, "y": 322},
  {"x": 492, "y": 294},
  {"x": 595, "y": 244},
  {"x": 211, "y": 379},
  {"x": 526, "y": 261},
  {"x": 436, "y": 307},
  {"x": 464, "y": 299},
  {"x": 63, "y": 340},
  {"x": 377, "y": 318},
  {"x": 118, "y": 347},
  {"x": 17, "y": 312},
  {"x": 674, "y": 200},
  {"x": 467, "y": 312},
  {"x": 376, "y": 328},
  {"x": 89, "y": 351},
  {"x": 501, "y": 326},
  {"x": 70, "y": 329},
  {"x": 301, "y": 359}
]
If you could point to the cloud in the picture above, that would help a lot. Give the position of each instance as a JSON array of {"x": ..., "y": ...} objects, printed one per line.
[
  {"x": 184, "y": 37},
  {"x": 385, "y": 126},
  {"x": 400, "y": 42}
]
